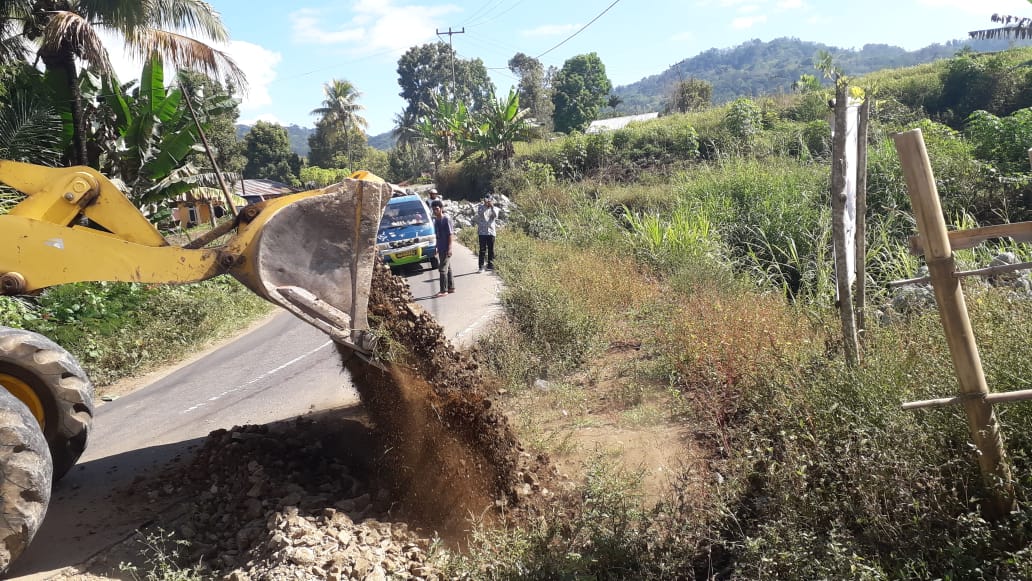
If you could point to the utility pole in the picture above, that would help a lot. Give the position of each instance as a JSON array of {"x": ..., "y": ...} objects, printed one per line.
[{"x": 450, "y": 33}]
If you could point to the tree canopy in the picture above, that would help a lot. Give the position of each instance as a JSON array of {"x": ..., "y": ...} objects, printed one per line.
[
  {"x": 433, "y": 68},
  {"x": 579, "y": 90},
  {"x": 533, "y": 90},
  {"x": 269, "y": 155}
]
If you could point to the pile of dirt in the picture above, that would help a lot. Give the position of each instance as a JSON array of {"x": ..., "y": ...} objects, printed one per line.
[
  {"x": 450, "y": 453},
  {"x": 334, "y": 497}
]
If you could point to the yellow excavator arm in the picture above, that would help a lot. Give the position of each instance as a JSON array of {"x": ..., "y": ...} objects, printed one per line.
[{"x": 310, "y": 252}]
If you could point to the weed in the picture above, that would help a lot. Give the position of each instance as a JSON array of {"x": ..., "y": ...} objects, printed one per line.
[{"x": 162, "y": 559}]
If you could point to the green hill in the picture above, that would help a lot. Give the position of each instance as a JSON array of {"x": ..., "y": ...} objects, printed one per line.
[{"x": 757, "y": 68}]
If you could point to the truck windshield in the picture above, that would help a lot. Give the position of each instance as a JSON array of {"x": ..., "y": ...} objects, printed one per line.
[{"x": 403, "y": 214}]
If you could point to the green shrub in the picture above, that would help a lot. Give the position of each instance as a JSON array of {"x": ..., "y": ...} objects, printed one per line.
[
  {"x": 1002, "y": 142},
  {"x": 810, "y": 107},
  {"x": 664, "y": 141},
  {"x": 840, "y": 482},
  {"x": 816, "y": 137},
  {"x": 958, "y": 176},
  {"x": 560, "y": 326}
]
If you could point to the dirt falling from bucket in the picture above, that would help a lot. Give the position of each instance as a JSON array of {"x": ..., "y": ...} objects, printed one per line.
[{"x": 449, "y": 454}]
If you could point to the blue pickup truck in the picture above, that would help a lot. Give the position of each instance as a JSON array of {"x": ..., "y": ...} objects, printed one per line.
[{"x": 406, "y": 234}]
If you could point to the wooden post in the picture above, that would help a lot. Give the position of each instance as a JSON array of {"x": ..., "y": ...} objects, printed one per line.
[
  {"x": 861, "y": 213},
  {"x": 984, "y": 429},
  {"x": 838, "y": 210}
]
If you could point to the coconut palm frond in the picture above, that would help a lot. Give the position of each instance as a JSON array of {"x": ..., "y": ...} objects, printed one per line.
[
  {"x": 1015, "y": 27},
  {"x": 30, "y": 130},
  {"x": 184, "y": 52},
  {"x": 193, "y": 17},
  {"x": 73, "y": 29}
]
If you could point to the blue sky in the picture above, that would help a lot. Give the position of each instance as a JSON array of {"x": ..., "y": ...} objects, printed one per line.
[{"x": 289, "y": 50}]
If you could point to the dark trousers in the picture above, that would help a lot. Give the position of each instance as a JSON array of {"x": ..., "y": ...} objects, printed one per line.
[
  {"x": 444, "y": 267},
  {"x": 486, "y": 251}
]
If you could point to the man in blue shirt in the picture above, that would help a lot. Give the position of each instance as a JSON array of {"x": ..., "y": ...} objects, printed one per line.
[{"x": 445, "y": 231}]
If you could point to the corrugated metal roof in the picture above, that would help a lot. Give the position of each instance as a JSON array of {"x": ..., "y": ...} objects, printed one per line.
[
  {"x": 264, "y": 188},
  {"x": 617, "y": 122}
]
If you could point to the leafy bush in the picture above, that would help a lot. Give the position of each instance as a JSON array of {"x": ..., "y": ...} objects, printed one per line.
[
  {"x": 1002, "y": 142},
  {"x": 817, "y": 139},
  {"x": 561, "y": 326},
  {"x": 743, "y": 122},
  {"x": 810, "y": 107},
  {"x": 664, "y": 141},
  {"x": 958, "y": 176},
  {"x": 832, "y": 493}
]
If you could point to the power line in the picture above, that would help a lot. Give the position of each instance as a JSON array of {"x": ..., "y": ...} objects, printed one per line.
[
  {"x": 615, "y": 2},
  {"x": 483, "y": 8},
  {"x": 485, "y": 19}
]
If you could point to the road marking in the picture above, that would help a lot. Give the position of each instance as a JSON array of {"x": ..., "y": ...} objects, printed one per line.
[
  {"x": 256, "y": 379},
  {"x": 491, "y": 312}
]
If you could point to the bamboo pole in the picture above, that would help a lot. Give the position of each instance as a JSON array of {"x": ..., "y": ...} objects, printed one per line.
[
  {"x": 1005, "y": 397},
  {"x": 987, "y": 271},
  {"x": 982, "y": 423},
  {"x": 838, "y": 211}
]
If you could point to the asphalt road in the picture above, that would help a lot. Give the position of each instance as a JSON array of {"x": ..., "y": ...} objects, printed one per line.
[{"x": 280, "y": 370}]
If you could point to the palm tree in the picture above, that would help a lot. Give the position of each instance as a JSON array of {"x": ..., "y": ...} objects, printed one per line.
[
  {"x": 12, "y": 45},
  {"x": 65, "y": 31},
  {"x": 1013, "y": 27},
  {"x": 340, "y": 110}
]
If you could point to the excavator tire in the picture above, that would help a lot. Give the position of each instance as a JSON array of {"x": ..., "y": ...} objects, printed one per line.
[
  {"x": 57, "y": 392},
  {"x": 26, "y": 478}
]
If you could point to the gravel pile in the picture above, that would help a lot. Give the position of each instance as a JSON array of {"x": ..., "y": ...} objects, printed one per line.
[
  {"x": 291, "y": 501},
  {"x": 333, "y": 496}
]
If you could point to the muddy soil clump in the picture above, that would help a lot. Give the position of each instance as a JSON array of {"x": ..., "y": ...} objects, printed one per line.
[{"x": 449, "y": 453}]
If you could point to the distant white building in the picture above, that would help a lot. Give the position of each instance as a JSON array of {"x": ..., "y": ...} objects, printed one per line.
[{"x": 617, "y": 122}]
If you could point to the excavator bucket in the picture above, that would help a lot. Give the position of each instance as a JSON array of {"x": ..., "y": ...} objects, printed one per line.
[{"x": 313, "y": 254}]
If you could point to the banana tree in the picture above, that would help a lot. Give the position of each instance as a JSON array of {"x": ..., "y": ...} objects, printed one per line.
[
  {"x": 443, "y": 126},
  {"x": 154, "y": 137},
  {"x": 501, "y": 124}
]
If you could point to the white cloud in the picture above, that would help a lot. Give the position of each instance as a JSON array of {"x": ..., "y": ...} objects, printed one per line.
[
  {"x": 306, "y": 25},
  {"x": 789, "y": 4},
  {"x": 374, "y": 26},
  {"x": 747, "y": 21},
  {"x": 259, "y": 64}
]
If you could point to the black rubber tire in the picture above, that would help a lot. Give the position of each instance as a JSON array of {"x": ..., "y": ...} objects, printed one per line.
[
  {"x": 61, "y": 386},
  {"x": 26, "y": 477},
  {"x": 434, "y": 263}
]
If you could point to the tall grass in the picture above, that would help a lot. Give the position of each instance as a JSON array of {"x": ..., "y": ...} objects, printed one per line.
[{"x": 822, "y": 474}]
